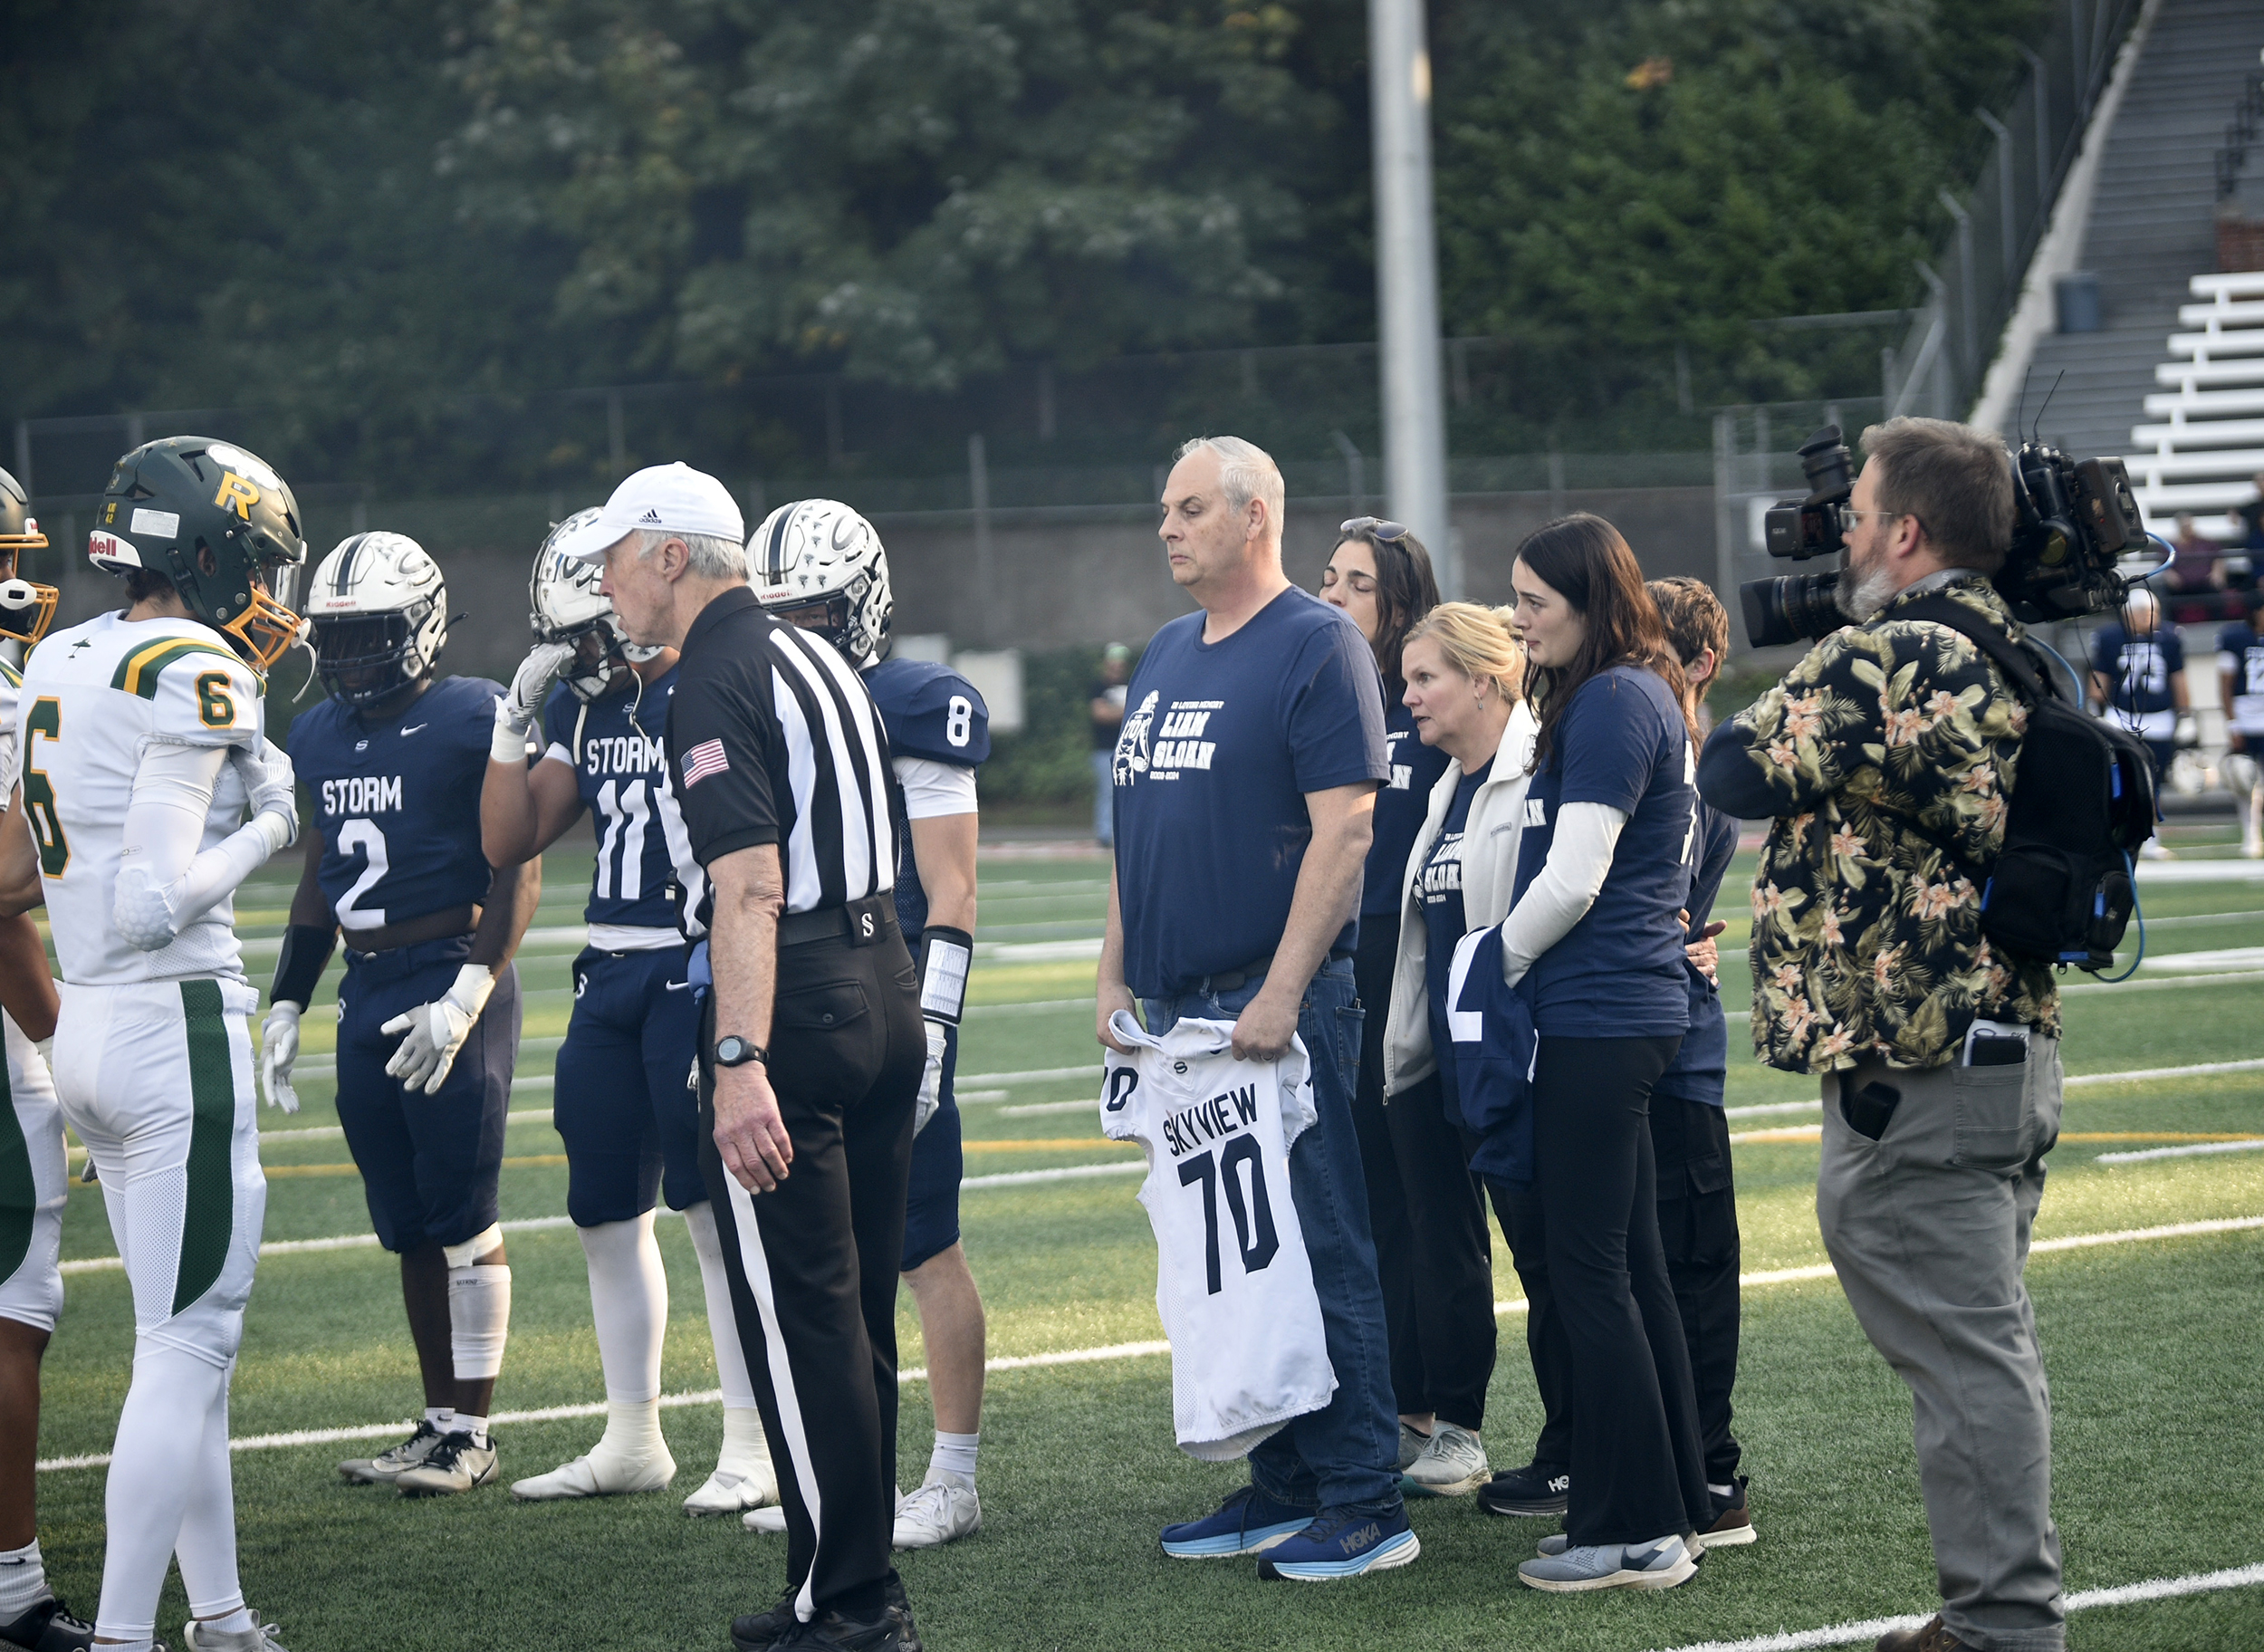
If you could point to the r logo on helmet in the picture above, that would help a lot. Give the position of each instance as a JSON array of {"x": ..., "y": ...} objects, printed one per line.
[{"x": 234, "y": 490}]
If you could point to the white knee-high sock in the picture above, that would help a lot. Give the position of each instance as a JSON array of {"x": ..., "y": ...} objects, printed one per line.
[
  {"x": 731, "y": 1360},
  {"x": 206, "y": 1548},
  {"x": 22, "y": 1580},
  {"x": 159, "y": 1467},
  {"x": 629, "y": 1300}
]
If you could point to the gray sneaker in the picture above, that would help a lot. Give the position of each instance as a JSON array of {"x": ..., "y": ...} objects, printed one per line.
[
  {"x": 454, "y": 1465},
  {"x": 1451, "y": 1464},
  {"x": 1411, "y": 1444},
  {"x": 387, "y": 1467},
  {"x": 1661, "y": 1563},
  {"x": 260, "y": 1637}
]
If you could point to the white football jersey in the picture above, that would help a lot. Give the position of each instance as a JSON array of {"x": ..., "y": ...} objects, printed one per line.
[
  {"x": 1233, "y": 1285},
  {"x": 90, "y": 697}
]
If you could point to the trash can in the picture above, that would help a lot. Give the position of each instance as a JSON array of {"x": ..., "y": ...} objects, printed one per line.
[{"x": 2076, "y": 296}]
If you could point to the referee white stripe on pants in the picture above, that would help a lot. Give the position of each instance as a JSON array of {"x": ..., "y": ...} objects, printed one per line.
[{"x": 812, "y": 1264}]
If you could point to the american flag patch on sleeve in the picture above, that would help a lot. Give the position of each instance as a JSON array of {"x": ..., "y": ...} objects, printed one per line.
[{"x": 705, "y": 759}]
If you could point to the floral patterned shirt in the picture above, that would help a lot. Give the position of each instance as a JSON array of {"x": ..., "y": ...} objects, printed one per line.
[{"x": 1890, "y": 745}]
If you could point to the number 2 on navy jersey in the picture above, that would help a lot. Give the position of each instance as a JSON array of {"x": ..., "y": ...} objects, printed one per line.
[
  {"x": 362, "y": 835},
  {"x": 1255, "y": 1256}
]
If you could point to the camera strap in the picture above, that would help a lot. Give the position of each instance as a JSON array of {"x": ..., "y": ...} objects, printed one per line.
[{"x": 2012, "y": 658}]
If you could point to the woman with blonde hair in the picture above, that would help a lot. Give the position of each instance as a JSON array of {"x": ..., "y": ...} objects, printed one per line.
[{"x": 1464, "y": 673}]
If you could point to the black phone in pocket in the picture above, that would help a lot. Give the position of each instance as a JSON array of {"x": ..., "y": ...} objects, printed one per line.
[{"x": 1868, "y": 1110}]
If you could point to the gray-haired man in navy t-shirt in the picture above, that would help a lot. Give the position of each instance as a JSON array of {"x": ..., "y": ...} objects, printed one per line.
[{"x": 1245, "y": 775}]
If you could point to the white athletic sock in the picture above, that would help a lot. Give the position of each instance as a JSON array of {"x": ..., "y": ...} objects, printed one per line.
[
  {"x": 745, "y": 1450},
  {"x": 159, "y": 1466},
  {"x": 238, "y": 1622},
  {"x": 629, "y": 1300},
  {"x": 22, "y": 1580},
  {"x": 632, "y": 1431},
  {"x": 731, "y": 1359},
  {"x": 465, "y": 1423},
  {"x": 1721, "y": 1491},
  {"x": 955, "y": 1453},
  {"x": 479, "y": 1321},
  {"x": 439, "y": 1416}
]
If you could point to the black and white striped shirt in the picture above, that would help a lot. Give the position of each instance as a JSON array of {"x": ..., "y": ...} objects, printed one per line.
[{"x": 773, "y": 739}]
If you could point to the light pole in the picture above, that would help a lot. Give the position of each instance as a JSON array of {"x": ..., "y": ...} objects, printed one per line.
[{"x": 1407, "y": 283}]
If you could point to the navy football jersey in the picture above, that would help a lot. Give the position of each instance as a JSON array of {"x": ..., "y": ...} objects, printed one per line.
[
  {"x": 398, "y": 802},
  {"x": 620, "y": 764},
  {"x": 929, "y": 711}
]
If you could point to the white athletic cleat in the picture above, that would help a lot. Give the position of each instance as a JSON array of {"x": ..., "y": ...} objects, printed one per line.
[
  {"x": 1451, "y": 1464},
  {"x": 941, "y": 1511},
  {"x": 596, "y": 1475},
  {"x": 728, "y": 1491},
  {"x": 260, "y": 1637},
  {"x": 456, "y": 1465},
  {"x": 386, "y": 1466},
  {"x": 770, "y": 1522}
]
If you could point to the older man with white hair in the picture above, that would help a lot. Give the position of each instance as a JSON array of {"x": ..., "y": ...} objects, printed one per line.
[
  {"x": 1245, "y": 778},
  {"x": 811, "y": 1045},
  {"x": 2138, "y": 680}
]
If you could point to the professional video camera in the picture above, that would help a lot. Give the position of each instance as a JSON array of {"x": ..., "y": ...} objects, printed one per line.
[{"x": 2075, "y": 519}]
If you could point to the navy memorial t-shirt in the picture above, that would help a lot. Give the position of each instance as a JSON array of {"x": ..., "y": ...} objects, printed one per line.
[
  {"x": 1618, "y": 971},
  {"x": 1220, "y": 744},
  {"x": 1401, "y": 804},
  {"x": 1445, "y": 921}
]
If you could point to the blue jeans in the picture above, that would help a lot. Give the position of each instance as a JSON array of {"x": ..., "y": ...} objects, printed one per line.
[
  {"x": 1341, "y": 1455},
  {"x": 1105, "y": 798}
]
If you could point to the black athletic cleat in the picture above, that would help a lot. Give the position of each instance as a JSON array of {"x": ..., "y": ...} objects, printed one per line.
[
  {"x": 1538, "y": 1488},
  {"x": 760, "y": 1631},
  {"x": 48, "y": 1626},
  {"x": 890, "y": 1630}
]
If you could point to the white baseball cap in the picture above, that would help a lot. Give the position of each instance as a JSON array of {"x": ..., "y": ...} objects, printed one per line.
[{"x": 664, "y": 498}]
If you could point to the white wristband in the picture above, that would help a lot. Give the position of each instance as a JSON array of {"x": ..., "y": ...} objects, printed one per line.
[{"x": 508, "y": 744}]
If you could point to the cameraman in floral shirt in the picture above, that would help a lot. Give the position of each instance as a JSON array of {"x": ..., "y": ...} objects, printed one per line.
[{"x": 1886, "y": 760}]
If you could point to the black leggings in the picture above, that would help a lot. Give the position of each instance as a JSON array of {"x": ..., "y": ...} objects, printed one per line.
[
  {"x": 1432, "y": 1254},
  {"x": 1638, "y": 1465}
]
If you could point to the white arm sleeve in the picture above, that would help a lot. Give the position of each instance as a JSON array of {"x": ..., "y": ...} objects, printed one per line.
[
  {"x": 163, "y": 882},
  {"x": 1580, "y": 857},
  {"x": 931, "y": 789}
]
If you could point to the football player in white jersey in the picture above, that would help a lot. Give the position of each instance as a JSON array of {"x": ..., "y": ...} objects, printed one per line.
[
  {"x": 34, "y": 1178},
  {"x": 630, "y": 1124},
  {"x": 149, "y": 793}
]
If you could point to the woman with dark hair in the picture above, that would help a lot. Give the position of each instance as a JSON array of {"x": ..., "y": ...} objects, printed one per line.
[
  {"x": 1594, "y": 940},
  {"x": 1432, "y": 1252}
]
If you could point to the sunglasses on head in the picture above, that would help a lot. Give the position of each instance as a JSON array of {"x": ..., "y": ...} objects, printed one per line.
[{"x": 1375, "y": 527}]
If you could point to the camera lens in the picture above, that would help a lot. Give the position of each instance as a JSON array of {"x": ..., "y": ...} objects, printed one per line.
[{"x": 1792, "y": 608}]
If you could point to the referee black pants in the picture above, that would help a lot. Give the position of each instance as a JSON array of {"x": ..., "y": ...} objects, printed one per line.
[{"x": 812, "y": 1264}]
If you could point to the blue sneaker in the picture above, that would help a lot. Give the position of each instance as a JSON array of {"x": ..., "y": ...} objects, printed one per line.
[
  {"x": 1246, "y": 1523},
  {"x": 1339, "y": 1544}
]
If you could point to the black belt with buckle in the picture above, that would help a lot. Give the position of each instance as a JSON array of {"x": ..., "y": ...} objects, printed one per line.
[
  {"x": 860, "y": 923},
  {"x": 1234, "y": 980}
]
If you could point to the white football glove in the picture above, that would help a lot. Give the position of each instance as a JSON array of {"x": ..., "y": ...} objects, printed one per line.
[
  {"x": 273, "y": 784},
  {"x": 437, "y": 1030},
  {"x": 530, "y": 683},
  {"x": 278, "y": 1049},
  {"x": 932, "y": 1081}
]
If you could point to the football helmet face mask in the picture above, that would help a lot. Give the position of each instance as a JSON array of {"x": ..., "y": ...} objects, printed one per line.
[
  {"x": 26, "y": 610},
  {"x": 221, "y": 525},
  {"x": 565, "y": 605},
  {"x": 380, "y": 614},
  {"x": 819, "y": 565}
]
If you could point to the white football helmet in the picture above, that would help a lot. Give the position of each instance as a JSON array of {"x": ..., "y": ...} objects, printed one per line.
[
  {"x": 565, "y": 605},
  {"x": 379, "y": 610},
  {"x": 819, "y": 565}
]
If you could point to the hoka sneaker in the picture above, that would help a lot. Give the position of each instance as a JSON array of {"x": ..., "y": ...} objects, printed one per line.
[
  {"x": 1248, "y": 1523},
  {"x": 388, "y": 1466},
  {"x": 1411, "y": 1443},
  {"x": 456, "y": 1465},
  {"x": 48, "y": 1626},
  {"x": 943, "y": 1509},
  {"x": 1661, "y": 1563},
  {"x": 1339, "y": 1544},
  {"x": 1538, "y": 1488},
  {"x": 260, "y": 1637},
  {"x": 1452, "y": 1464},
  {"x": 760, "y": 1631},
  {"x": 596, "y": 1477},
  {"x": 1733, "y": 1521}
]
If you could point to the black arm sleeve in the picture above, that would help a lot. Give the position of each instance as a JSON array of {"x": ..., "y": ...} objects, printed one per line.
[{"x": 306, "y": 953}]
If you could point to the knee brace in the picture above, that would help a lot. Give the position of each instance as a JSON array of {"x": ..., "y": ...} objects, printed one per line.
[{"x": 479, "y": 1308}]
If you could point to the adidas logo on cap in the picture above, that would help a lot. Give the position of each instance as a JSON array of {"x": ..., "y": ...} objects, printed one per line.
[{"x": 651, "y": 518}]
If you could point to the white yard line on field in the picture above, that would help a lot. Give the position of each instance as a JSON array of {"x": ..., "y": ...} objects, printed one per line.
[
  {"x": 2187, "y": 1152},
  {"x": 2126, "y": 1594},
  {"x": 1084, "y": 1356}
]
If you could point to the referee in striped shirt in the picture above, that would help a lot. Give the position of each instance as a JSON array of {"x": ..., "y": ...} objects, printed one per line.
[{"x": 811, "y": 1044}]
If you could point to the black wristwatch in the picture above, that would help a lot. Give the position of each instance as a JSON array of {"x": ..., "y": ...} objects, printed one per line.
[{"x": 732, "y": 1051}]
